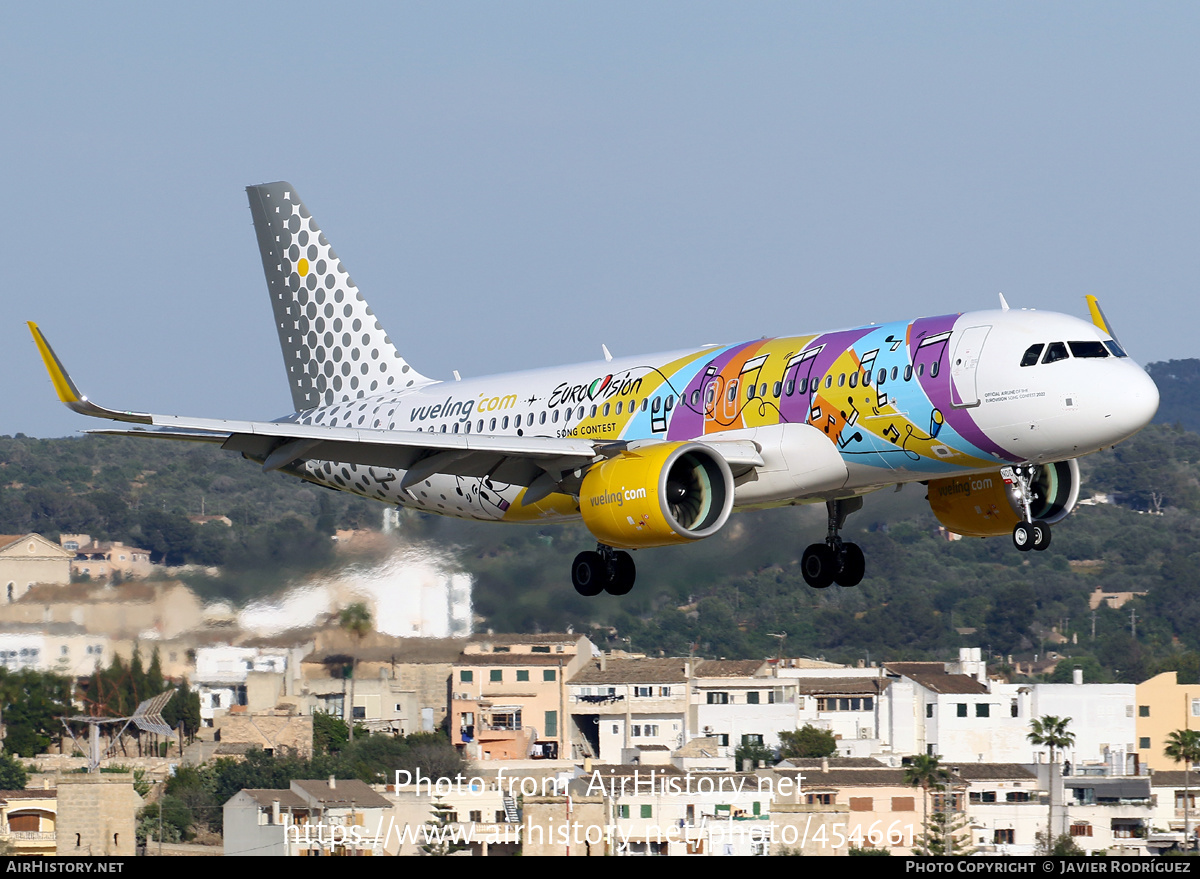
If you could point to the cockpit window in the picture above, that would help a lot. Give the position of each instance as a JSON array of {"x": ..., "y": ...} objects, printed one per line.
[
  {"x": 1088, "y": 349},
  {"x": 1032, "y": 353},
  {"x": 1055, "y": 351},
  {"x": 1117, "y": 350}
]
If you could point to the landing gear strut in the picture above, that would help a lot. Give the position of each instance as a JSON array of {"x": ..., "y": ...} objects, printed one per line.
[
  {"x": 834, "y": 561},
  {"x": 1030, "y": 533},
  {"x": 604, "y": 570}
]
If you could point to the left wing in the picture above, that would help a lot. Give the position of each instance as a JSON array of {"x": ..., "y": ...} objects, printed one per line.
[{"x": 543, "y": 464}]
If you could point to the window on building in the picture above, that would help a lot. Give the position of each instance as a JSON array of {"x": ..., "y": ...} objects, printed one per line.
[
  {"x": 818, "y": 799},
  {"x": 1143, "y": 711},
  {"x": 497, "y": 675},
  {"x": 1081, "y": 829},
  {"x": 476, "y": 816},
  {"x": 752, "y": 697},
  {"x": 962, "y": 709},
  {"x": 904, "y": 804},
  {"x": 929, "y": 709},
  {"x": 1018, "y": 796},
  {"x": 718, "y": 698},
  {"x": 982, "y": 709},
  {"x": 862, "y": 804},
  {"x": 752, "y": 739},
  {"x": 522, "y": 674},
  {"x": 541, "y": 650},
  {"x": 1144, "y": 743},
  {"x": 643, "y": 691},
  {"x": 548, "y": 674},
  {"x": 647, "y": 810},
  {"x": 622, "y": 811},
  {"x": 1004, "y": 837},
  {"x": 986, "y": 796},
  {"x": 551, "y": 724}
]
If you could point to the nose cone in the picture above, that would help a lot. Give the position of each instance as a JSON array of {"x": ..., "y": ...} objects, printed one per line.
[{"x": 1136, "y": 401}]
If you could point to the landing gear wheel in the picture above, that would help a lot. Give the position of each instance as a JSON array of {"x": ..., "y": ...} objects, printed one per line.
[
  {"x": 624, "y": 572},
  {"x": 1041, "y": 535},
  {"x": 589, "y": 574},
  {"x": 1023, "y": 536},
  {"x": 854, "y": 566},
  {"x": 818, "y": 565}
]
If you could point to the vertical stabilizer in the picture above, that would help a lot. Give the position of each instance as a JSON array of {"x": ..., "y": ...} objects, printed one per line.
[{"x": 334, "y": 348}]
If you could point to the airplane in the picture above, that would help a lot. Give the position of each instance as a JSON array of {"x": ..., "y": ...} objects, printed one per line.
[{"x": 988, "y": 409}]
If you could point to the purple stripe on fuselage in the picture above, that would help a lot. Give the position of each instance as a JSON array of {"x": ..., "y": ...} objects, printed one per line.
[{"x": 937, "y": 388}]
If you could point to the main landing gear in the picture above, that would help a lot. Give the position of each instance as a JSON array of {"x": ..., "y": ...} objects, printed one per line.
[
  {"x": 834, "y": 561},
  {"x": 1031, "y": 533},
  {"x": 605, "y": 570}
]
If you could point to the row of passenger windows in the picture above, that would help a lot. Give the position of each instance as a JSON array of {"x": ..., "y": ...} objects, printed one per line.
[
  {"x": 666, "y": 404},
  {"x": 1059, "y": 351},
  {"x": 655, "y": 405},
  {"x": 807, "y": 385}
]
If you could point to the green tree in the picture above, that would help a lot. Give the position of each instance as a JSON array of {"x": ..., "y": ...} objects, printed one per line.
[
  {"x": 947, "y": 834},
  {"x": 355, "y": 619},
  {"x": 13, "y": 774},
  {"x": 807, "y": 742},
  {"x": 925, "y": 772},
  {"x": 1183, "y": 746},
  {"x": 754, "y": 751},
  {"x": 1051, "y": 732}
]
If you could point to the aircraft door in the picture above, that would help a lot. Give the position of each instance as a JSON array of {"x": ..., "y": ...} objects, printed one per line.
[{"x": 964, "y": 392}]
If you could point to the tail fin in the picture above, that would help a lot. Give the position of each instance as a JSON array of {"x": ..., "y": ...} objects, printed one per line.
[{"x": 333, "y": 346}]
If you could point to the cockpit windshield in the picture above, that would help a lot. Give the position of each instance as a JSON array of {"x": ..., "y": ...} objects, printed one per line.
[{"x": 1059, "y": 351}]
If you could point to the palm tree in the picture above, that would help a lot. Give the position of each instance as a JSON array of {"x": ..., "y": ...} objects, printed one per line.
[
  {"x": 1183, "y": 746},
  {"x": 355, "y": 619},
  {"x": 924, "y": 772},
  {"x": 1051, "y": 732}
]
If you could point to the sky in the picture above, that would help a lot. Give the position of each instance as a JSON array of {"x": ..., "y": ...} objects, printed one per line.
[{"x": 513, "y": 184}]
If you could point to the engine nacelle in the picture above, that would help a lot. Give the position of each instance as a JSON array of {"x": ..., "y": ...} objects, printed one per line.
[
  {"x": 657, "y": 495},
  {"x": 986, "y": 506}
]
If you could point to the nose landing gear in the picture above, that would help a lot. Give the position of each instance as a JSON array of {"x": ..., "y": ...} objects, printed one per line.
[
  {"x": 834, "y": 561},
  {"x": 1031, "y": 533},
  {"x": 604, "y": 570}
]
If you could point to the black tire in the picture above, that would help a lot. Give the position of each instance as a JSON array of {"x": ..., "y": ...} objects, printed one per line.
[
  {"x": 1041, "y": 535},
  {"x": 818, "y": 565},
  {"x": 854, "y": 566},
  {"x": 624, "y": 573},
  {"x": 588, "y": 574},
  {"x": 1022, "y": 536}
]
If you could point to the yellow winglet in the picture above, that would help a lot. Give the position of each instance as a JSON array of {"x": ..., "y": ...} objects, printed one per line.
[
  {"x": 1098, "y": 315},
  {"x": 67, "y": 392}
]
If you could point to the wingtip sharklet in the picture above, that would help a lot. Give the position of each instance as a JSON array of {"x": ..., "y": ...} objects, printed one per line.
[
  {"x": 68, "y": 392},
  {"x": 65, "y": 388}
]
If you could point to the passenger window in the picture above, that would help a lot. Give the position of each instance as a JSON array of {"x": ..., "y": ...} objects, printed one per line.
[
  {"x": 504, "y": 423},
  {"x": 777, "y": 390},
  {"x": 554, "y": 417},
  {"x": 804, "y": 385},
  {"x": 866, "y": 378},
  {"x": 657, "y": 404},
  {"x": 670, "y": 403},
  {"x": 762, "y": 390},
  {"x": 842, "y": 380},
  {"x": 542, "y": 417},
  {"x": 467, "y": 427},
  {"x": 605, "y": 410},
  {"x": 1030, "y": 358},
  {"x": 644, "y": 402},
  {"x": 1055, "y": 351},
  {"x": 732, "y": 391},
  {"x": 908, "y": 372},
  {"x": 443, "y": 428},
  {"x": 750, "y": 389},
  {"x": 479, "y": 426},
  {"x": 882, "y": 377},
  {"x": 619, "y": 405},
  {"x": 492, "y": 425},
  {"x": 456, "y": 427},
  {"x": 921, "y": 370},
  {"x": 934, "y": 367},
  {"x": 593, "y": 410},
  {"x": 854, "y": 379},
  {"x": 829, "y": 381},
  {"x": 695, "y": 398},
  {"x": 1088, "y": 349},
  {"x": 895, "y": 372}
]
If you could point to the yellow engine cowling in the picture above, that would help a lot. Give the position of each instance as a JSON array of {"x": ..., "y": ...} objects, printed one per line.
[
  {"x": 987, "y": 506},
  {"x": 657, "y": 495}
]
